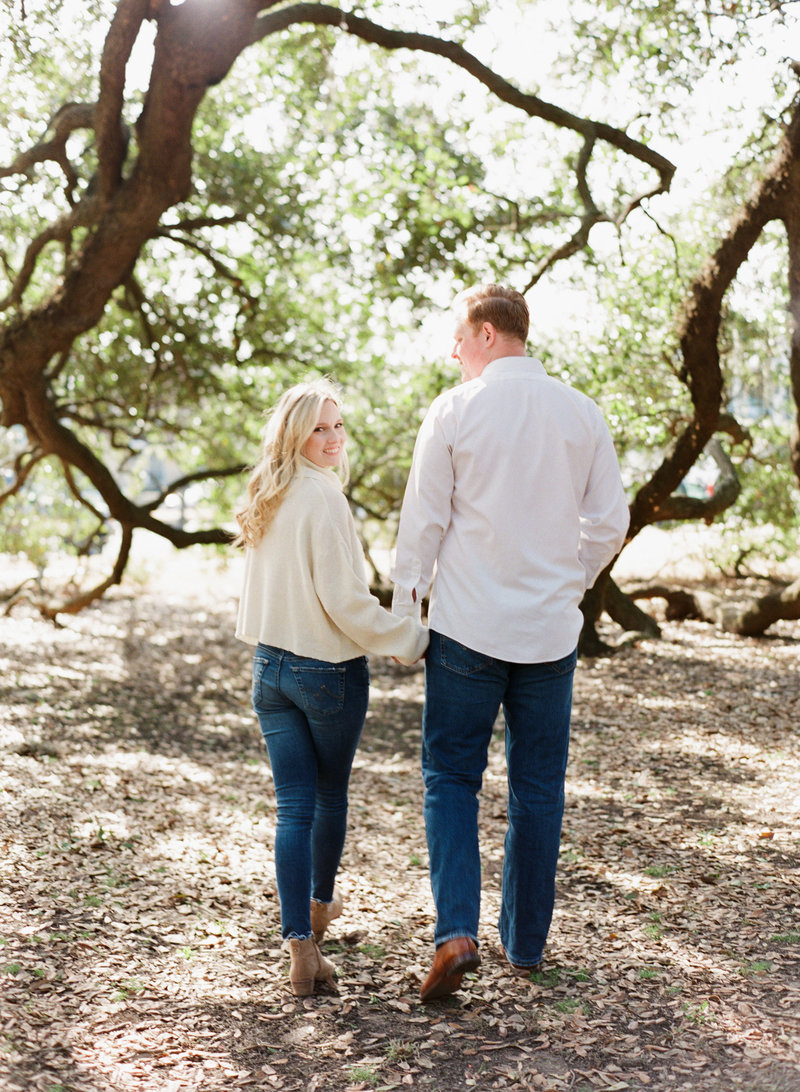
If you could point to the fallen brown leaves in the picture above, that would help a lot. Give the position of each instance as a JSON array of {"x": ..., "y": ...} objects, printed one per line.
[{"x": 139, "y": 937}]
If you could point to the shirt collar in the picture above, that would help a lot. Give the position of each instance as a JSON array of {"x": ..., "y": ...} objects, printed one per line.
[{"x": 513, "y": 365}]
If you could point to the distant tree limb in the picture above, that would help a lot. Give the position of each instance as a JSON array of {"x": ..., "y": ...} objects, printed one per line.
[
  {"x": 747, "y": 618},
  {"x": 79, "y": 602}
]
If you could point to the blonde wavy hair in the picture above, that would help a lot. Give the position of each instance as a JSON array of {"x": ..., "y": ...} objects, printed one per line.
[{"x": 288, "y": 428}]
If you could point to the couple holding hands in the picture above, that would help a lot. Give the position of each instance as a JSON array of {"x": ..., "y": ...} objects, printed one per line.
[{"x": 513, "y": 507}]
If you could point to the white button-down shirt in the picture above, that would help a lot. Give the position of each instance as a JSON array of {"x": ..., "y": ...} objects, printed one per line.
[{"x": 513, "y": 507}]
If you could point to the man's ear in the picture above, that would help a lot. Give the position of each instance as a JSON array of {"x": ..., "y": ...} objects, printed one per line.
[{"x": 489, "y": 333}]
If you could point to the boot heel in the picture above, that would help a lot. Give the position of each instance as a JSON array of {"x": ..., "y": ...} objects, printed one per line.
[
  {"x": 308, "y": 966},
  {"x": 326, "y": 970}
]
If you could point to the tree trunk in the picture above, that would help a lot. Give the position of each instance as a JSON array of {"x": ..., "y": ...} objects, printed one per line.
[
  {"x": 775, "y": 197},
  {"x": 623, "y": 610}
]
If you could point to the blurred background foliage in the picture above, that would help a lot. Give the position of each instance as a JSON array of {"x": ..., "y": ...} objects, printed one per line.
[{"x": 342, "y": 195}]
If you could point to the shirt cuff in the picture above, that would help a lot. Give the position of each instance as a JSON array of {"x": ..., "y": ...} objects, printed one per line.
[{"x": 406, "y": 604}]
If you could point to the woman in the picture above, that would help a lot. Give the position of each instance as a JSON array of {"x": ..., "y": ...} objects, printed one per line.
[{"x": 307, "y": 608}]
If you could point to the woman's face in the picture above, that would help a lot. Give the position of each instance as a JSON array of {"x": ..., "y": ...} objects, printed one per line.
[{"x": 325, "y": 445}]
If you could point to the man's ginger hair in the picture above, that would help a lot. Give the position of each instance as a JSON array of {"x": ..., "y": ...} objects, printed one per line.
[{"x": 504, "y": 308}]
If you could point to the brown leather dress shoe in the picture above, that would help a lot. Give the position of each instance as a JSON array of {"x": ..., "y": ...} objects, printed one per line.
[
  {"x": 524, "y": 972},
  {"x": 452, "y": 960}
]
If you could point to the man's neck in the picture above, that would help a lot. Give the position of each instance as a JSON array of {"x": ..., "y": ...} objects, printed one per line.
[{"x": 506, "y": 346}]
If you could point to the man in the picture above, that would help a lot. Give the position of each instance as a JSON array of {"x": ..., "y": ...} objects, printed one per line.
[{"x": 513, "y": 507}]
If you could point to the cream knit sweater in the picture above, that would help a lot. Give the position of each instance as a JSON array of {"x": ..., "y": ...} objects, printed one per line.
[{"x": 305, "y": 588}]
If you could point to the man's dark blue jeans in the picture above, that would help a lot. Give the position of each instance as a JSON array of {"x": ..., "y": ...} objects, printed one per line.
[{"x": 464, "y": 691}]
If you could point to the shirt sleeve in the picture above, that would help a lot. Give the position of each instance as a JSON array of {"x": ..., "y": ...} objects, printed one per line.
[
  {"x": 338, "y": 575},
  {"x": 604, "y": 512},
  {"x": 424, "y": 516}
]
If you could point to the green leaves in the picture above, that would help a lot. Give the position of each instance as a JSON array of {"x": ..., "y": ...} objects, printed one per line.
[{"x": 342, "y": 193}]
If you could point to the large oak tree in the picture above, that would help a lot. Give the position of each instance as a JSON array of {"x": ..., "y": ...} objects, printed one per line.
[{"x": 141, "y": 189}]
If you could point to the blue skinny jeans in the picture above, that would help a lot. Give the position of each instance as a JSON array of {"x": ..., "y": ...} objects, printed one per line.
[{"x": 311, "y": 714}]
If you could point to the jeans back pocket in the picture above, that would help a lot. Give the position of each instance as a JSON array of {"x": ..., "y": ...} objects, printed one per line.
[{"x": 321, "y": 687}]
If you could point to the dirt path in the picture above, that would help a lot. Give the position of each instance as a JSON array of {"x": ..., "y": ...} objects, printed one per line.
[{"x": 139, "y": 939}]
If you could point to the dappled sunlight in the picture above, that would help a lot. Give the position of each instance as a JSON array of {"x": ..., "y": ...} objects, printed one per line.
[{"x": 139, "y": 891}]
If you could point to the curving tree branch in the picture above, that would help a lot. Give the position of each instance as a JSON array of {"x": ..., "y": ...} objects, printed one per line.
[
  {"x": 79, "y": 602},
  {"x": 70, "y": 117},
  {"x": 591, "y": 216},
  {"x": 532, "y": 105},
  {"x": 112, "y": 133},
  {"x": 206, "y": 475},
  {"x": 144, "y": 174},
  {"x": 774, "y": 198},
  {"x": 726, "y": 490},
  {"x": 24, "y": 464}
]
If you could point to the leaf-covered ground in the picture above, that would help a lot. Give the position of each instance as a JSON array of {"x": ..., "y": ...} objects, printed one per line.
[{"x": 139, "y": 933}]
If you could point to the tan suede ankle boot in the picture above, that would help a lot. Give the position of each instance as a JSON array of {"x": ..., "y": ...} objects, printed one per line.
[
  {"x": 308, "y": 967},
  {"x": 323, "y": 913}
]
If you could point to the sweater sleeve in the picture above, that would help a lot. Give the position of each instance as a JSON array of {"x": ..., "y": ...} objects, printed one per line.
[{"x": 337, "y": 568}]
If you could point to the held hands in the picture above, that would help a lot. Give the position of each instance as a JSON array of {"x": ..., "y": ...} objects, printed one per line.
[{"x": 419, "y": 659}]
